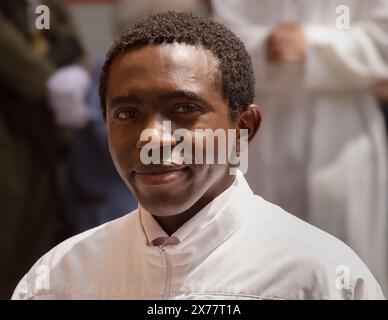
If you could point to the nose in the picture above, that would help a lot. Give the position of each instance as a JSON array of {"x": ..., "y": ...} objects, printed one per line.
[{"x": 158, "y": 132}]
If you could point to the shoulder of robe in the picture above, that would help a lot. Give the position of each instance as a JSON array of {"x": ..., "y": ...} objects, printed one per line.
[
  {"x": 321, "y": 265},
  {"x": 83, "y": 256}
]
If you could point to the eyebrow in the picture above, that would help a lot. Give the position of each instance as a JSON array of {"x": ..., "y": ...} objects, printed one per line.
[
  {"x": 185, "y": 95},
  {"x": 170, "y": 95},
  {"x": 129, "y": 98}
]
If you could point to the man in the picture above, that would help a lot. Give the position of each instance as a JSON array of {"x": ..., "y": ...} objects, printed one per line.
[
  {"x": 322, "y": 151},
  {"x": 37, "y": 68},
  {"x": 199, "y": 232}
]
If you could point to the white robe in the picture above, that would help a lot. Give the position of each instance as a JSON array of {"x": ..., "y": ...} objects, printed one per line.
[
  {"x": 321, "y": 152},
  {"x": 239, "y": 246}
]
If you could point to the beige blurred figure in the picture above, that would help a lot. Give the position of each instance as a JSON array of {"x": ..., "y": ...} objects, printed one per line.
[
  {"x": 129, "y": 11},
  {"x": 321, "y": 152}
]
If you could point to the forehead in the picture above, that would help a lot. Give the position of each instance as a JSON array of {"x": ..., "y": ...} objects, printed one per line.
[{"x": 185, "y": 66}]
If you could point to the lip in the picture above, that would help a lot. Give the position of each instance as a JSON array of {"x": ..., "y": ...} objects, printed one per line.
[{"x": 158, "y": 175}]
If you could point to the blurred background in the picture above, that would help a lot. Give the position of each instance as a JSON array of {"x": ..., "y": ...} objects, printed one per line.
[{"x": 321, "y": 79}]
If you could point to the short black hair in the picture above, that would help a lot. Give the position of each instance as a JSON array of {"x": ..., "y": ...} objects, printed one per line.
[{"x": 234, "y": 62}]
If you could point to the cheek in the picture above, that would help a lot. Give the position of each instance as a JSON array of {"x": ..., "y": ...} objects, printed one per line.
[
  {"x": 213, "y": 148},
  {"x": 115, "y": 155},
  {"x": 122, "y": 145},
  {"x": 114, "y": 142},
  {"x": 205, "y": 176}
]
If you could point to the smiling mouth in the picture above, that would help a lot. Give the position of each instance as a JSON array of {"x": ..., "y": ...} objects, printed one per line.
[{"x": 158, "y": 175}]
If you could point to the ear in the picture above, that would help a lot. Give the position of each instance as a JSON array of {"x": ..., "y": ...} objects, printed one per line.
[{"x": 250, "y": 119}]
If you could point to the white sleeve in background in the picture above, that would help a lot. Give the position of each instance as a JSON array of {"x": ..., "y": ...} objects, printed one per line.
[
  {"x": 254, "y": 31},
  {"x": 254, "y": 35},
  {"x": 336, "y": 59},
  {"x": 67, "y": 91},
  {"x": 349, "y": 59}
]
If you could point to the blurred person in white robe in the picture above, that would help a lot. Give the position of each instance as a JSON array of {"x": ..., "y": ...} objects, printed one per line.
[{"x": 321, "y": 152}]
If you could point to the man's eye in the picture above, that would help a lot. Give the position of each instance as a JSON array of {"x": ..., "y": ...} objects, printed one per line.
[
  {"x": 126, "y": 114},
  {"x": 185, "y": 108}
]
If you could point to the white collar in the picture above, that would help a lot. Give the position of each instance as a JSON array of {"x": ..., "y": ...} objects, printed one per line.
[{"x": 211, "y": 226}]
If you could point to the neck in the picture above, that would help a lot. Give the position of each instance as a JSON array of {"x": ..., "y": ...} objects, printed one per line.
[{"x": 172, "y": 223}]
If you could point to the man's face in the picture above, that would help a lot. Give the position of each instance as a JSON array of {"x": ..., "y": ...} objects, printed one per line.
[{"x": 169, "y": 82}]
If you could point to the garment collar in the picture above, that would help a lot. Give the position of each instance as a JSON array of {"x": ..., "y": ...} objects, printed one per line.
[{"x": 211, "y": 226}]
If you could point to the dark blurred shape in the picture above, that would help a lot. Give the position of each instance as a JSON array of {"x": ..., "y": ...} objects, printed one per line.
[
  {"x": 384, "y": 109},
  {"x": 31, "y": 145},
  {"x": 380, "y": 91}
]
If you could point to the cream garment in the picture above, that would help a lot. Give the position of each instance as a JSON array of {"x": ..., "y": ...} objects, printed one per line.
[
  {"x": 321, "y": 151},
  {"x": 238, "y": 247}
]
